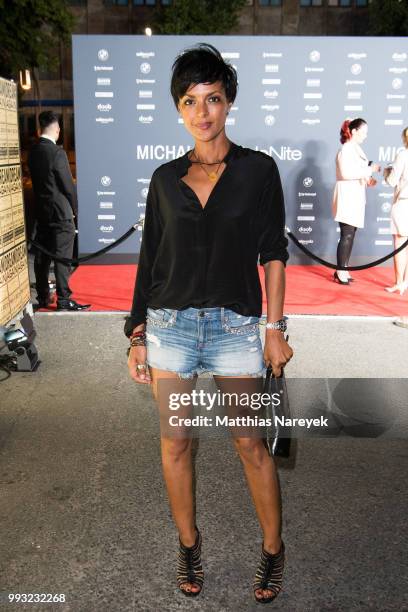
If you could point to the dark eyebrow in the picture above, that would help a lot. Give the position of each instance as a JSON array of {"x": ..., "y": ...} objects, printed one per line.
[{"x": 209, "y": 94}]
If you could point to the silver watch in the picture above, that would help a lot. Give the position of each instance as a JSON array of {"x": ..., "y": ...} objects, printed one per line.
[{"x": 280, "y": 325}]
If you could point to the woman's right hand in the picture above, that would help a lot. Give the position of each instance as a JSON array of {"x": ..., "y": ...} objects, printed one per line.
[{"x": 137, "y": 356}]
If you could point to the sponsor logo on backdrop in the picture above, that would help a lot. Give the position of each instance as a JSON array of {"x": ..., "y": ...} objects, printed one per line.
[
  {"x": 103, "y": 94},
  {"x": 382, "y": 219},
  {"x": 107, "y": 229},
  {"x": 146, "y": 181},
  {"x": 106, "y": 240},
  {"x": 103, "y": 81},
  {"x": 399, "y": 57},
  {"x": 355, "y": 83},
  {"x": 306, "y": 206},
  {"x": 307, "y": 181},
  {"x": 230, "y": 121},
  {"x": 144, "y": 192},
  {"x": 384, "y": 231},
  {"x": 386, "y": 207},
  {"x": 397, "y": 83},
  {"x": 308, "y": 194},
  {"x": 393, "y": 122},
  {"x": 271, "y": 68},
  {"x": 271, "y": 81},
  {"x": 145, "y": 106},
  {"x": 230, "y": 54},
  {"x": 313, "y": 69},
  {"x": 357, "y": 56},
  {"x": 354, "y": 95},
  {"x": 311, "y": 121},
  {"x": 395, "y": 70},
  {"x": 305, "y": 230},
  {"x": 145, "y": 54},
  {"x": 312, "y": 96},
  {"x": 271, "y": 94},
  {"x": 270, "y": 120},
  {"x": 270, "y": 107},
  {"x": 145, "y": 93},
  {"x": 312, "y": 82},
  {"x": 356, "y": 69},
  {"x": 145, "y": 119},
  {"x": 353, "y": 108},
  {"x": 145, "y": 67},
  {"x": 312, "y": 109},
  {"x": 104, "y": 108},
  {"x": 106, "y": 217},
  {"x": 270, "y": 54},
  {"x": 145, "y": 81},
  {"x": 395, "y": 110},
  {"x": 106, "y": 181},
  {"x": 396, "y": 96},
  {"x": 314, "y": 56},
  {"x": 383, "y": 242},
  {"x": 106, "y": 193},
  {"x": 103, "y": 55},
  {"x": 100, "y": 68},
  {"x": 105, "y": 204},
  {"x": 104, "y": 119},
  {"x": 141, "y": 204},
  {"x": 305, "y": 218},
  {"x": 306, "y": 241}
]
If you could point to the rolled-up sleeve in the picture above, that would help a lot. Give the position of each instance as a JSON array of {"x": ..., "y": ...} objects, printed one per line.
[
  {"x": 273, "y": 244},
  {"x": 150, "y": 242}
]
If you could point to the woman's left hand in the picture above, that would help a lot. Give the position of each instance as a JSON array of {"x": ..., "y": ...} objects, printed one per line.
[{"x": 277, "y": 351}]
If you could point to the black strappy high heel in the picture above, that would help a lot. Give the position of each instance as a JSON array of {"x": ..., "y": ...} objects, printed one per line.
[
  {"x": 270, "y": 574},
  {"x": 189, "y": 568}
]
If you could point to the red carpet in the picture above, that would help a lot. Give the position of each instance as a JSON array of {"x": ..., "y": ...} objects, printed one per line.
[{"x": 310, "y": 290}]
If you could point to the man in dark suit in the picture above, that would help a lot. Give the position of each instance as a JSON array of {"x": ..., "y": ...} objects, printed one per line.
[{"x": 55, "y": 208}]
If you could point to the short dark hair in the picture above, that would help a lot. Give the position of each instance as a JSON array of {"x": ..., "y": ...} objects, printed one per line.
[
  {"x": 46, "y": 118},
  {"x": 202, "y": 63}
]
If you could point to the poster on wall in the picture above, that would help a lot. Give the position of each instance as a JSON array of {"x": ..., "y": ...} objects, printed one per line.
[
  {"x": 14, "y": 280},
  {"x": 294, "y": 93}
]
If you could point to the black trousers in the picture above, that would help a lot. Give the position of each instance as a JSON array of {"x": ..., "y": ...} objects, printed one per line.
[
  {"x": 344, "y": 248},
  {"x": 58, "y": 238}
]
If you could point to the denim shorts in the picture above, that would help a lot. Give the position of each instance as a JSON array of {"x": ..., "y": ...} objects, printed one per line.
[{"x": 197, "y": 340}]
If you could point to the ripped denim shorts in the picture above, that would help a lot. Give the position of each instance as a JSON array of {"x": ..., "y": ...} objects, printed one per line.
[{"x": 197, "y": 340}]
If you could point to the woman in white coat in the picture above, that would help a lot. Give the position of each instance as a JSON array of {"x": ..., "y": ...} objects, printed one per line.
[
  {"x": 397, "y": 176},
  {"x": 353, "y": 174}
]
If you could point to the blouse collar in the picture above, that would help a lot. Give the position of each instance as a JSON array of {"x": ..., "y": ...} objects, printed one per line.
[{"x": 183, "y": 162}]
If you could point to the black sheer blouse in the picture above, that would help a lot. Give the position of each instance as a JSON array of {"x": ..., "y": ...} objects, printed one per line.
[{"x": 207, "y": 257}]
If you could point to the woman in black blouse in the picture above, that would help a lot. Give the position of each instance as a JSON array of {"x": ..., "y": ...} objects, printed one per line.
[{"x": 197, "y": 301}]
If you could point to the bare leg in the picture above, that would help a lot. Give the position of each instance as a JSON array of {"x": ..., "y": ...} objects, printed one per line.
[
  {"x": 178, "y": 468},
  {"x": 400, "y": 260},
  {"x": 261, "y": 475}
]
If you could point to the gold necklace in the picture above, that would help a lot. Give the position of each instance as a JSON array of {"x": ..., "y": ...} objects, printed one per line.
[{"x": 213, "y": 176}]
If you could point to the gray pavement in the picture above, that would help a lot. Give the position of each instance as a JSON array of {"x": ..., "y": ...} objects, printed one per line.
[{"x": 84, "y": 511}]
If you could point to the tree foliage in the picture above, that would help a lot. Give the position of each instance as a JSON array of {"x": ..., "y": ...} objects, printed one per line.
[
  {"x": 198, "y": 17},
  {"x": 388, "y": 17},
  {"x": 29, "y": 33}
]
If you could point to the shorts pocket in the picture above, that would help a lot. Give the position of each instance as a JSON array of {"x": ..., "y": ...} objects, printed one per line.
[
  {"x": 234, "y": 323},
  {"x": 161, "y": 317}
]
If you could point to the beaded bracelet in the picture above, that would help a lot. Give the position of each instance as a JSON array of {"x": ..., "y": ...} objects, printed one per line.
[{"x": 138, "y": 341}]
